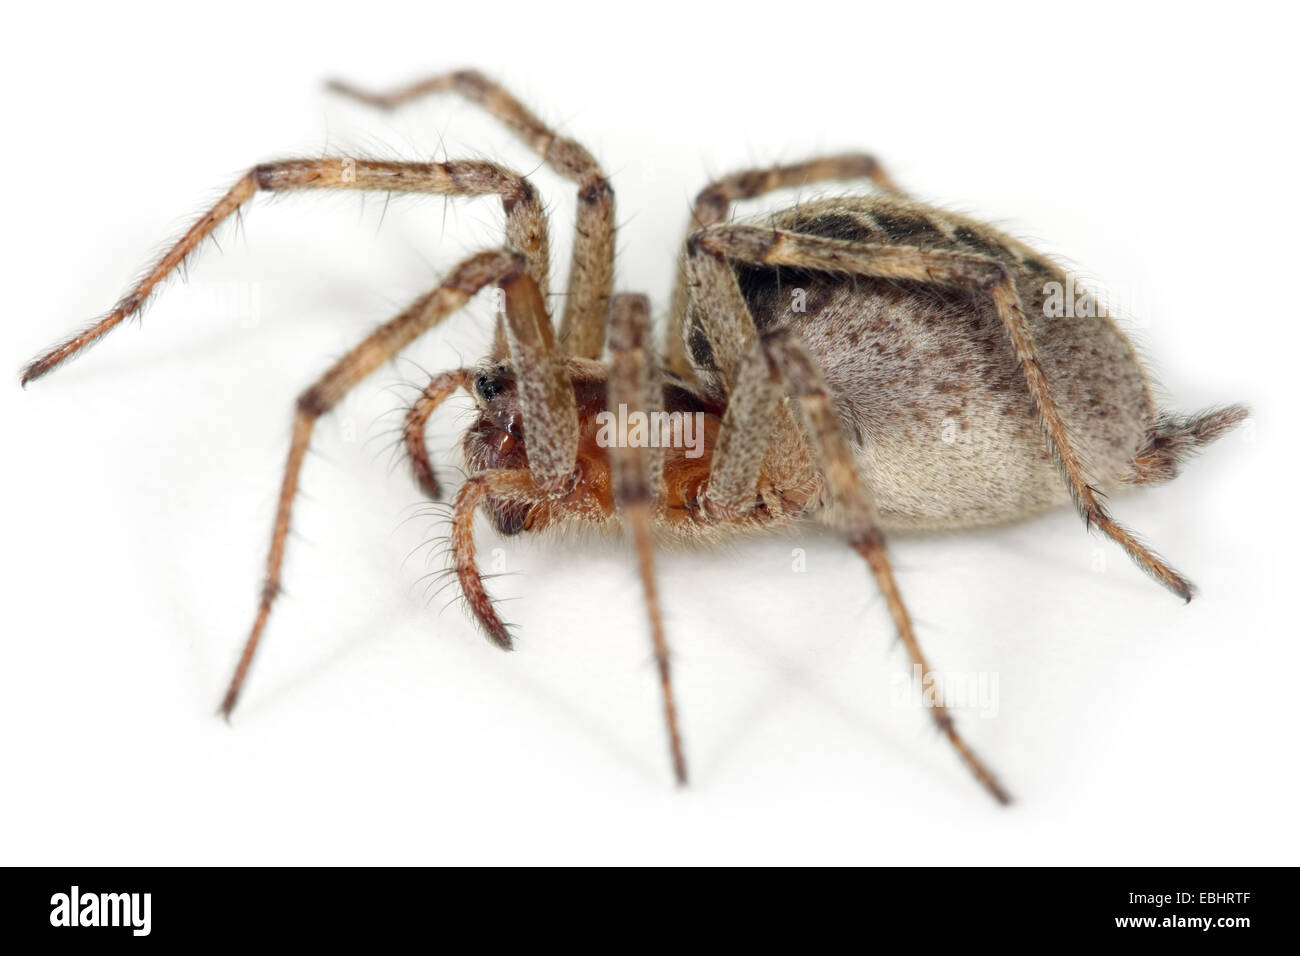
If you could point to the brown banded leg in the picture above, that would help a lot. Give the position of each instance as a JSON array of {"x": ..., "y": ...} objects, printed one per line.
[
  {"x": 528, "y": 326},
  {"x": 591, "y": 275},
  {"x": 803, "y": 382},
  {"x": 439, "y": 389},
  {"x": 753, "y": 414},
  {"x": 638, "y": 474},
  {"x": 714, "y": 202},
  {"x": 534, "y": 348},
  {"x": 774, "y": 247},
  {"x": 525, "y": 220},
  {"x": 506, "y": 484}
]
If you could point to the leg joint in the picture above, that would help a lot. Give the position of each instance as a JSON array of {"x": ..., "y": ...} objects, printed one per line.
[
  {"x": 703, "y": 242},
  {"x": 286, "y": 174},
  {"x": 316, "y": 401},
  {"x": 989, "y": 275},
  {"x": 868, "y": 540},
  {"x": 524, "y": 193},
  {"x": 711, "y": 205},
  {"x": 596, "y": 191},
  {"x": 270, "y": 591}
]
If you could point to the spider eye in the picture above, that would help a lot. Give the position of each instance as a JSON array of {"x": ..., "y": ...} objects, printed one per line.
[{"x": 488, "y": 386}]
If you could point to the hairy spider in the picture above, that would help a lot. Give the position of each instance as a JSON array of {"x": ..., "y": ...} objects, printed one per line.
[{"x": 871, "y": 363}]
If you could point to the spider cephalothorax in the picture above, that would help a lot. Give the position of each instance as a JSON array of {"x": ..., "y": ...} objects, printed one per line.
[
  {"x": 498, "y": 441},
  {"x": 871, "y": 363},
  {"x": 684, "y": 427}
]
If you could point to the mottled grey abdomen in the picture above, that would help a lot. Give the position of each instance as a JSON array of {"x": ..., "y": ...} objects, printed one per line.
[{"x": 926, "y": 381}]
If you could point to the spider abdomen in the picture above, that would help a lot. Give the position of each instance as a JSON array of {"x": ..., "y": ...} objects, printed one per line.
[{"x": 927, "y": 383}]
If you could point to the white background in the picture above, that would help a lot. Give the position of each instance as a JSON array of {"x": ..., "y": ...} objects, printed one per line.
[{"x": 1154, "y": 149}]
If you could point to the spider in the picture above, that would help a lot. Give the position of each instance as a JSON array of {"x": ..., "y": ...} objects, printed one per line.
[{"x": 870, "y": 363}]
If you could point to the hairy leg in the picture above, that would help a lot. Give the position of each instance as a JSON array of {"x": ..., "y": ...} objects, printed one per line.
[
  {"x": 803, "y": 382},
  {"x": 638, "y": 475},
  {"x": 761, "y": 246},
  {"x": 439, "y": 389},
  {"x": 753, "y": 414},
  {"x": 544, "y": 387},
  {"x": 497, "y": 483},
  {"x": 527, "y": 323},
  {"x": 525, "y": 221},
  {"x": 591, "y": 275},
  {"x": 714, "y": 203},
  {"x": 758, "y": 372}
]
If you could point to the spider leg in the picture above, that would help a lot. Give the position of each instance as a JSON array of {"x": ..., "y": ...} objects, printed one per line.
[
  {"x": 762, "y": 370},
  {"x": 638, "y": 473},
  {"x": 500, "y": 483},
  {"x": 761, "y": 246},
  {"x": 544, "y": 386},
  {"x": 525, "y": 221},
  {"x": 439, "y": 389},
  {"x": 714, "y": 202},
  {"x": 544, "y": 405},
  {"x": 591, "y": 276},
  {"x": 803, "y": 382},
  {"x": 754, "y": 413}
]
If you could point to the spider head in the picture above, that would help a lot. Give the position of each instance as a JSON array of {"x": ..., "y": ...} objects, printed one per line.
[{"x": 498, "y": 440}]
